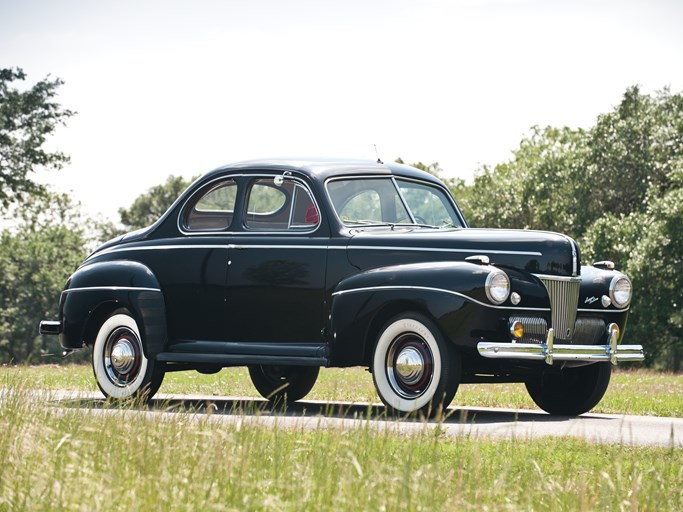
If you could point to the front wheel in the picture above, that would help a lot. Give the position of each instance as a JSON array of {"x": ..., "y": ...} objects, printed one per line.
[
  {"x": 119, "y": 363},
  {"x": 288, "y": 383},
  {"x": 413, "y": 367},
  {"x": 570, "y": 391}
]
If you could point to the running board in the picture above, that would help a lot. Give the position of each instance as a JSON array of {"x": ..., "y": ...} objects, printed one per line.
[{"x": 244, "y": 354}]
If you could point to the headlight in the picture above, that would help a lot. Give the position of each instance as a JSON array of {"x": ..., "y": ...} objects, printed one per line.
[
  {"x": 620, "y": 291},
  {"x": 497, "y": 286}
]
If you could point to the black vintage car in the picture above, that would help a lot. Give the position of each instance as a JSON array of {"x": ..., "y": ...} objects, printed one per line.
[{"x": 287, "y": 266}]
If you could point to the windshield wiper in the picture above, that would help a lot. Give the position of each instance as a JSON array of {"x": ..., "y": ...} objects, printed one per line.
[
  {"x": 412, "y": 225},
  {"x": 363, "y": 222}
]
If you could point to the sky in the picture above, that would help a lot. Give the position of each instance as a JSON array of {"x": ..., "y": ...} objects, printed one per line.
[{"x": 171, "y": 87}]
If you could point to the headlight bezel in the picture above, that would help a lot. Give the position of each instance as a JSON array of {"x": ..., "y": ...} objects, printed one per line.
[
  {"x": 614, "y": 292},
  {"x": 493, "y": 283}
]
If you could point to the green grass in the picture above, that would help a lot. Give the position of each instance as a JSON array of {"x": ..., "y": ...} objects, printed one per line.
[
  {"x": 82, "y": 458},
  {"x": 637, "y": 392}
]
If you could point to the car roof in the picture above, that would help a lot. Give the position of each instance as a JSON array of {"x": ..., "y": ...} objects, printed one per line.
[{"x": 320, "y": 169}]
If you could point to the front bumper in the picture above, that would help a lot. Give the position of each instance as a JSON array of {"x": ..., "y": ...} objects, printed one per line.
[{"x": 549, "y": 352}]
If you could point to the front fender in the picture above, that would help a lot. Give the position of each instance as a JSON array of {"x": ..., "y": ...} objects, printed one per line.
[
  {"x": 96, "y": 290},
  {"x": 450, "y": 293}
]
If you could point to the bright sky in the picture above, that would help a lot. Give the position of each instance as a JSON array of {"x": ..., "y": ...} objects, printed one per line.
[{"x": 170, "y": 87}]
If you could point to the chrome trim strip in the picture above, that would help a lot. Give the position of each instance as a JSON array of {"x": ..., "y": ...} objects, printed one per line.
[
  {"x": 113, "y": 288},
  {"x": 440, "y": 249},
  {"x": 284, "y": 246},
  {"x": 575, "y": 256},
  {"x": 403, "y": 201},
  {"x": 601, "y": 311},
  {"x": 558, "y": 278},
  {"x": 164, "y": 247},
  {"x": 217, "y": 246},
  {"x": 532, "y": 351},
  {"x": 438, "y": 290}
]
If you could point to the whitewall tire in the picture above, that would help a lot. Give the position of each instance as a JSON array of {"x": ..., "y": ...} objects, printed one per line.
[
  {"x": 413, "y": 368},
  {"x": 119, "y": 363}
]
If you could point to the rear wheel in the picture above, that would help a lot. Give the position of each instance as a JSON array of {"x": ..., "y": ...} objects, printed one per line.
[
  {"x": 119, "y": 363},
  {"x": 413, "y": 367},
  {"x": 288, "y": 383},
  {"x": 570, "y": 391}
]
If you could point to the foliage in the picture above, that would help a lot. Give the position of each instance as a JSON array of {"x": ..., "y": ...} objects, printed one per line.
[
  {"x": 150, "y": 206},
  {"x": 635, "y": 151},
  {"x": 36, "y": 258},
  {"x": 27, "y": 118},
  {"x": 615, "y": 187},
  {"x": 654, "y": 263},
  {"x": 540, "y": 188}
]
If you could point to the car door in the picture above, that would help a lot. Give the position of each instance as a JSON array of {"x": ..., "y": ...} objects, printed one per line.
[
  {"x": 276, "y": 265},
  {"x": 193, "y": 267}
]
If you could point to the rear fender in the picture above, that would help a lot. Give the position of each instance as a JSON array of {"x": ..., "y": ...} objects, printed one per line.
[{"x": 96, "y": 290}]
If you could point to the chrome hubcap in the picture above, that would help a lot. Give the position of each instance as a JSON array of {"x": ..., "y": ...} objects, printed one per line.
[
  {"x": 122, "y": 356},
  {"x": 409, "y": 366}
]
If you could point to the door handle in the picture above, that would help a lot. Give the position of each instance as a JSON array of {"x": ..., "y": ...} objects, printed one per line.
[{"x": 237, "y": 247}]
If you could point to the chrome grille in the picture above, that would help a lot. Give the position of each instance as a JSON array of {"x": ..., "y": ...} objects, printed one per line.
[
  {"x": 535, "y": 328},
  {"x": 564, "y": 301}
]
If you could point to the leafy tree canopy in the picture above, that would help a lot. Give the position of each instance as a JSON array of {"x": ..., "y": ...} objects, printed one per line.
[
  {"x": 36, "y": 258},
  {"x": 150, "y": 206},
  {"x": 27, "y": 118}
]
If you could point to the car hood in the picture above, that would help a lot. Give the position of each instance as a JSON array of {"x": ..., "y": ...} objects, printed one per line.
[{"x": 538, "y": 252}]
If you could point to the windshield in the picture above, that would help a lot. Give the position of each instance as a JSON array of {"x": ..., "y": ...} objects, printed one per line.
[{"x": 382, "y": 201}]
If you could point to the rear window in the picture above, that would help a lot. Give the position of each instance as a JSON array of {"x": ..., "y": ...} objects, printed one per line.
[{"x": 214, "y": 209}]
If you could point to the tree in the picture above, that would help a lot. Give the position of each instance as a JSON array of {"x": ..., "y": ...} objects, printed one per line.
[
  {"x": 539, "y": 188},
  {"x": 36, "y": 258},
  {"x": 634, "y": 152},
  {"x": 655, "y": 266},
  {"x": 150, "y": 206},
  {"x": 27, "y": 118}
]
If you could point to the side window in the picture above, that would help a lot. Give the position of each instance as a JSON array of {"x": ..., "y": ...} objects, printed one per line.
[
  {"x": 265, "y": 200},
  {"x": 363, "y": 207},
  {"x": 429, "y": 205},
  {"x": 280, "y": 207},
  {"x": 214, "y": 208}
]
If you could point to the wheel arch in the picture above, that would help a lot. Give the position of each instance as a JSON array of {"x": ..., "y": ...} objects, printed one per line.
[
  {"x": 385, "y": 314},
  {"x": 101, "y": 312},
  {"x": 98, "y": 290},
  {"x": 358, "y": 319}
]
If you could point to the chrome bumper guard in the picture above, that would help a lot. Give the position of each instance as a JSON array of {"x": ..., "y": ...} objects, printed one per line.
[
  {"x": 50, "y": 327},
  {"x": 549, "y": 352}
]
